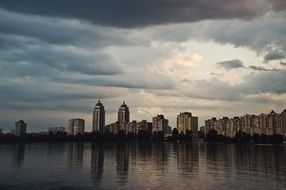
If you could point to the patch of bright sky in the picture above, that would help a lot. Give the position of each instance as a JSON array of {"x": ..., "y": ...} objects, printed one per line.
[{"x": 212, "y": 53}]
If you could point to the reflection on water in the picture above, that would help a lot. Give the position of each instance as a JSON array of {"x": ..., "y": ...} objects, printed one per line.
[
  {"x": 74, "y": 154},
  {"x": 97, "y": 162},
  {"x": 187, "y": 157},
  {"x": 18, "y": 154},
  {"x": 141, "y": 166},
  {"x": 122, "y": 162}
]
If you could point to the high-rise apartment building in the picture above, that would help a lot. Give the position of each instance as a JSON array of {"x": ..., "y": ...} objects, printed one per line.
[
  {"x": 79, "y": 126},
  {"x": 209, "y": 125},
  {"x": 70, "y": 128},
  {"x": 123, "y": 116},
  {"x": 98, "y": 119},
  {"x": 282, "y": 122},
  {"x": 76, "y": 126},
  {"x": 187, "y": 122},
  {"x": 160, "y": 123},
  {"x": 20, "y": 128}
]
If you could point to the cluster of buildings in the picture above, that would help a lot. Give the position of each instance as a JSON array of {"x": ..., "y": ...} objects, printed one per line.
[
  {"x": 20, "y": 128},
  {"x": 55, "y": 130},
  {"x": 123, "y": 123},
  {"x": 185, "y": 122},
  {"x": 268, "y": 124}
]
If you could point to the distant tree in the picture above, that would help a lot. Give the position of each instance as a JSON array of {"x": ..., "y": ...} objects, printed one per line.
[
  {"x": 174, "y": 136},
  {"x": 211, "y": 135},
  {"x": 158, "y": 136},
  {"x": 175, "y": 132},
  {"x": 143, "y": 135},
  {"x": 201, "y": 135},
  {"x": 188, "y": 136},
  {"x": 276, "y": 139}
]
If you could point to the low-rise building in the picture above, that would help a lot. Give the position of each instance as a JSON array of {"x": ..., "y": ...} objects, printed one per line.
[
  {"x": 12, "y": 132},
  {"x": 55, "y": 130},
  {"x": 112, "y": 128},
  {"x": 131, "y": 127},
  {"x": 144, "y": 125}
]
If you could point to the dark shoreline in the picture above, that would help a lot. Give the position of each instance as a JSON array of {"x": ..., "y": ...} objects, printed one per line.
[{"x": 211, "y": 138}]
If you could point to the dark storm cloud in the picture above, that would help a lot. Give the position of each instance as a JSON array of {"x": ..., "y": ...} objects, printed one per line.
[
  {"x": 260, "y": 68},
  {"x": 135, "y": 80},
  {"x": 42, "y": 91},
  {"x": 256, "y": 35},
  {"x": 138, "y": 13},
  {"x": 255, "y": 83},
  {"x": 230, "y": 64},
  {"x": 274, "y": 55},
  {"x": 282, "y": 63},
  {"x": 36, "y": 54},
  {"x": 59, "y": 31},
  {"x": 41, "y": 61},
  {"x": 265, "y": 100},
  {"x": 272, "y": 82},
  {"x": 39, "y": 94},
  {"x": 215, "y": 89},
  {"x": 278, "y": 4}
]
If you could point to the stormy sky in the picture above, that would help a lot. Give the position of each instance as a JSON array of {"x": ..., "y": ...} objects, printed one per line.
[{"x": 209, "y": 57}]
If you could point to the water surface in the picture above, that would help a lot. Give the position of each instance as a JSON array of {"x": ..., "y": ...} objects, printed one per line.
[{"x": 141, "y": 166}]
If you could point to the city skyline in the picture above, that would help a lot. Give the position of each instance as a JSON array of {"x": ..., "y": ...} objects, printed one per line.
[
  {"x": 99, "y": 106},
  {"x": 185, "y": 121},
  {"x": 212, "y": 58}
]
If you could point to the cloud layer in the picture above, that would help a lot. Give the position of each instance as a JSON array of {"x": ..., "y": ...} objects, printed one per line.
[
  {"x": 138, "y": 13},
  {"x": 231, "y": 64},
  {"x": 207, "y": 57}
]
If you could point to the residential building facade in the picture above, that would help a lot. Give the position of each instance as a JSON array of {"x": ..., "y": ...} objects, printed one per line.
[
  {"x": 76, "y": 127},
  {"x": 160, "y": 123},
  {"x": 123, "y": 116},
  {"x": 267, "y": 124},
  {"x": 98, "y": 119},
  {"x": 187, "y": 122},
  {"x": 20, "y": 128},
  {"x": 55, "y": 130}
]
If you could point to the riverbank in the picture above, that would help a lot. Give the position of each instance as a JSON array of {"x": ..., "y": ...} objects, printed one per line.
[{"x": 211, "y": 137}]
